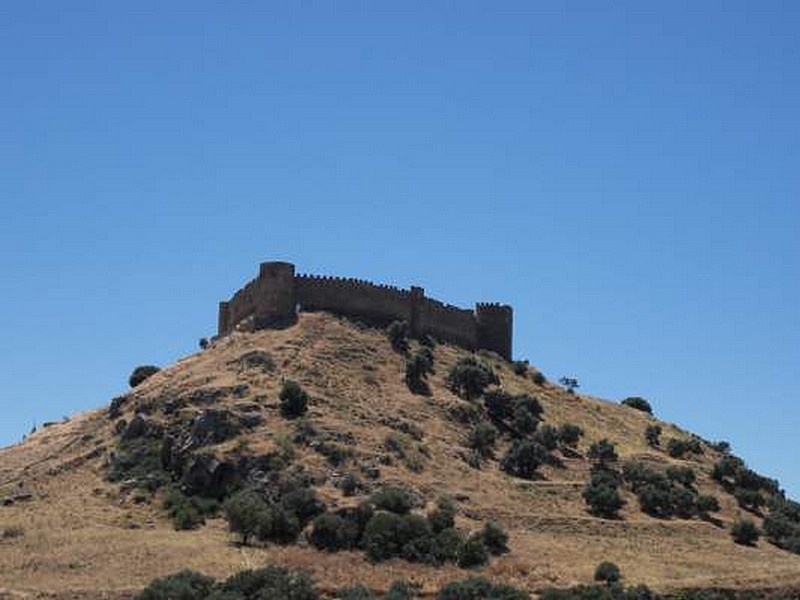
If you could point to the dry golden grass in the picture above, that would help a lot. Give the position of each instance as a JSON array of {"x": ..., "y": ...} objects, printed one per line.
[{"x": 85, "y": 538}]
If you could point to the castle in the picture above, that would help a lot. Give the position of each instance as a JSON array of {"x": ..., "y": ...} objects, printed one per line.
[{"x": 274, "y": 297}]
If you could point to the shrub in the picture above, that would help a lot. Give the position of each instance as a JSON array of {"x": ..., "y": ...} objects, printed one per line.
[
  {"x": 478, "y": 588},
  {"x": 473, "y": 552},
  {"x": 603, "y": 451},
  {"x": 267, "y": 583},
  {"x": 203, "y": 343},
  {"x": 547, "y": 436},
  {"x": 523, "y": 459},
  {"x": 397, "y": 332},
  {"x": 482, "y": 438},
  {"x": 749, "y": 499},
  {"x": 726, "y": 468},
  {"x": 601, "y": 493},
  {"x": 388, "y": 535},
  {"x": 392, "y": 499},
  {"x": 569, "y": 435},
  {"x": 539, "y": 378},
  {"x": 294, "y": 400},
  {"x": 448, "y": 543},
  {"x": 652, "y": 434},
  {"x": 520, "y": 367},
  {"x": 499, "y": 405},
  {"x": 302, "y": 502},
  {"x": 677, "y": 448},
  {"x": 683, "y": 475},
  {"x": 350, "y": 484},
  {"x": 418, "y": 367},
  {"x": 638, "y": 403},
  {"x": 495, "y": 539},
  {"x": 141, "y": 373},
  {"x": 185, "y": 585},
  {"x": 246, "y": 513},
  {"x": 188, "y": 512},
  {"x": 427, "y": 341},
  {"x": 469, "y": 378},
  {"x": 745, "y": 532},
  {"x": 331, "y": 532},
  {"x": 443, "y": 517},
  {"x": 13, "y": 532},
  {"x": 707, "y": 504},
  {"x": 607, "y": 572}
]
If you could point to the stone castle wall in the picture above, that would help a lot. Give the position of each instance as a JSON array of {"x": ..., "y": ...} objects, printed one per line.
[{"x": 274, "y": 297}]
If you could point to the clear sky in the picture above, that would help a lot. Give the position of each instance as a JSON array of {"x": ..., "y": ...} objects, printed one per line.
[{"x": 625, "y": 174}]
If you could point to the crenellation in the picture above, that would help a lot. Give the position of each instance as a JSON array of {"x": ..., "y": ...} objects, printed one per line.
[{"x": 275, "y": 296}]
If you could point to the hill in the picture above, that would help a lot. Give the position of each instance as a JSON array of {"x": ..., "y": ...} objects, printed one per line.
[{"x": 85, "y": 515}]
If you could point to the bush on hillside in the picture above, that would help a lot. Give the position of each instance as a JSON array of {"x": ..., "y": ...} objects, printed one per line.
[
  {"x": 397, "y": 332},
  {"x": 749, "y": 499},
  {"x": 141, "y": 373},
  {"x": 569, "y": 435},
  {"x": 547, "y": 436},
  {"x": 482, "y": 438},
  {"x": 520, "y": 367},
  {"x": 469, "y": 377},
  {"x": 418, "y": 367},
  {"x": 392, "y": 499},
  {"x": 266, "y": 583},
  {"x": 443, "y": 516},
  {"x": 682, "y": 475},
  {"x": 523, "y": 459},
  {"x": 652, "y": 434},
  {"x": 332, "y": 532},
  {"x": 603, "y": 451},
  {"x": 601, "y": 493},
  {"x": 473, "y": 552},
  {"x": 677, "y": 448},
  {"x": 494, "y": 538},
  {"x": 638, "y": 403},
  {"x": 294, "y": 400},
  {"x": 706, "y": 504},
  {"x": 478, "y": 588},
  {"x": 607, "y": 572},
  {"x": 745, "y": 532},
  {"x": 184, "y": 585}
]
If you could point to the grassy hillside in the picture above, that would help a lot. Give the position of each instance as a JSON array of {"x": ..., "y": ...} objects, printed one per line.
[{"x": 80, "y": 534}]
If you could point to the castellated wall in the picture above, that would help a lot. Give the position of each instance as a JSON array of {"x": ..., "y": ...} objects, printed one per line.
[{"x": 274, "y": 297}]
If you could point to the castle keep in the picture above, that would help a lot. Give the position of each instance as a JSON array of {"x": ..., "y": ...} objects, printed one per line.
[{"x": 274, "y": 297}]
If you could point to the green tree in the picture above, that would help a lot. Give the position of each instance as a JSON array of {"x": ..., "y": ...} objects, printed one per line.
[{"x": 294, "y": 400}]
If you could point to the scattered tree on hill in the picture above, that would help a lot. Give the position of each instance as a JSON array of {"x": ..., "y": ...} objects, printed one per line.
[
  {"x": 520, "y": 367},
  {"x": 397, "y": 332},
  {"x": 607, "y": 572},
  {"x": 569, "y": 435},
  {"x": 482, "y": 438},
  {"x": 494, "y": 538},
  {"x": 638, "y": 403},
  {"x": 141, "y": 373},
  {"x": 418, "y": 367},
  {"x": 602, "y": 494},
  {"x": 184, "y": 585},
  {"x": 469, "y": 378},
  {"x": 745, "y": 532},
  {"x": 392, "y": 499},
  {"x": 523, "y": 459},
  {"x": 652, "y": 434},
  {"x": 571, "y": 383},
  {"x": 294, "y": 400},
  {"x": 707, "y": 504},
  {"x": 603, "y": 451}
]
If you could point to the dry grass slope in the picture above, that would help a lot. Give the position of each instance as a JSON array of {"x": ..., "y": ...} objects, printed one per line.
[{"x": 84, "y": 537}]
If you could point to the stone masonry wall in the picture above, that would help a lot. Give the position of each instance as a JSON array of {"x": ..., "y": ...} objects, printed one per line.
[{"x": 274, "y": 297}]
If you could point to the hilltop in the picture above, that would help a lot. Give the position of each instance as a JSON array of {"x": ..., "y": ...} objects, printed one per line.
[{"x": 89, "y": 524}]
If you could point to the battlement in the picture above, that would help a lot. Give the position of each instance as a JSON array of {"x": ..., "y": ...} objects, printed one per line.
[{"x": 274, "y": 298}]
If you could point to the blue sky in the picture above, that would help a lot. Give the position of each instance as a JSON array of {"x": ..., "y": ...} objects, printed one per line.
[{"x": 624, "y": 173}]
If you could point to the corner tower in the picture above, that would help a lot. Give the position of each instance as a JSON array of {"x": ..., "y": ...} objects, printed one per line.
[{"x": 494, "y": 327}]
